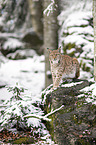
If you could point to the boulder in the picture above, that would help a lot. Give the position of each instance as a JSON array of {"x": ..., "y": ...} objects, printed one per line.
[
  {"x": 11, "y": 45},
  {"x": 21, "y": 54},
  {"x": 75, "y": 123},
  {"x": 12, "y": 42},
  {"x": 31, "y": 37}
]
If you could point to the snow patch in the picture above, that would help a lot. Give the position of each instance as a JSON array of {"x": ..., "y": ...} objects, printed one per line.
[
  {"x": 13, "y": 44},
  {"x": 71, "y": 84},
  {"x": 90, "y": 93},
  {"x": 29, "y": 73}
]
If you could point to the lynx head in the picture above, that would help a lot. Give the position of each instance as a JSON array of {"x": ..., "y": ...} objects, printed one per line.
[{"x": 54, "y": 56}]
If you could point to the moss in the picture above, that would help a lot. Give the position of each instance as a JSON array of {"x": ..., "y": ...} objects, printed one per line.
[
  {"x": 24, "y": 140},
  {"x": 68, "y": 47},
  {"x": 52, "y": 128},
  {"x": 47, "y": 109},
  {"x": 79, "y": 104},
  {"x": 84, "y": 67}
]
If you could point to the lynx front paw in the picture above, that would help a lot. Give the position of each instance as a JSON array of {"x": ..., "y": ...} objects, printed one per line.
[{"x": 55, "y": 87}]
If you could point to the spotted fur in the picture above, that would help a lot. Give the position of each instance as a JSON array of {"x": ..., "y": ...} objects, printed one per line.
[{"x": 62, "y": 66}]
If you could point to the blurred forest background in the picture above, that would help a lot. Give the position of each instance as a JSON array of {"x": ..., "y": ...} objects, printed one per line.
[{"x": 27, "y": 28}]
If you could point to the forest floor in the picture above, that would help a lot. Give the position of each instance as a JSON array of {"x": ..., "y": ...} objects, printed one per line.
[{"x": 25, "y": 137}]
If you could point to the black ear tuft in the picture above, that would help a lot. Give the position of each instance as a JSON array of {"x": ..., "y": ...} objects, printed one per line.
[{"x": 49, "y": 50}]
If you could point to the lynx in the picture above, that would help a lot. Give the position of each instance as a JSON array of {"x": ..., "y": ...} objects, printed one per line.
[{"x": 62, "y": 66}]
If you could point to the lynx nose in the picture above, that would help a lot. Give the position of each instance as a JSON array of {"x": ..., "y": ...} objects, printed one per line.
[{"x": 54, "y": 58}]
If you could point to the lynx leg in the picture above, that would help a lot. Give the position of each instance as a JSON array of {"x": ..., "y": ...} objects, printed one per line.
[
  {"x": 77, "y": 70},
  {"x": 53, "y": 77},
  {"x": 57, "y": 81},
  {"x": 75, "y": 62}
]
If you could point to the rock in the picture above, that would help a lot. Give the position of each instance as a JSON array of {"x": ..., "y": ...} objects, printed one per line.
[
  {"x": 22, "y": 54},
  {"x": 15, "y": 20},
  {"x": 11, "y": 45},
  {"x": 24, "y": 140},
  {"x": 12, "y": 42},
  {"x": 31, "y": 37},
  {"x": 75, "y": 124}
]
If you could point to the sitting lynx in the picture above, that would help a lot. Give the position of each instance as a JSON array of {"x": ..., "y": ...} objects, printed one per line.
[{"x": 62, "y": 66}]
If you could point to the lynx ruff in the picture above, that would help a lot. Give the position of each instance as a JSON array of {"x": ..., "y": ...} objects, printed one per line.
[{"x": 62, "y": 66}]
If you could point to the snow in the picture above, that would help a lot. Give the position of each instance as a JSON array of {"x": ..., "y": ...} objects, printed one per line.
[
  {"x": 48, "y": 90},
  {"x": 78, "y": 18},
  {"x": 81, "y": 95},
  {"x": 33, "y": 116},
  {"x": 56, "y": 110},
  {"x": 13, "y": 44},
  {"x": 34, "y": 122},
  {"x": 83, "y": 30},
  {"x": 76, "y": 29},
  {"x": 23, "y": 53},
  {"x": 71, "y": 84},
  {"x": 89, "y": 93},
  {"x": 75, "y": 39},
  {"x": 46, "y": 141},
  {"x": 71, "y": 50},
  {"x": 50, "y": 8},
  {"x": 29, "y": 73}
]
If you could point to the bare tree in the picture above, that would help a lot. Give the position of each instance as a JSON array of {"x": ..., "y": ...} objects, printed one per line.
[
  {"x": 36, "y": 11},
  {"x": 50, "y": 34},
  {"x": 48, "y": 30},
  {"x": 94, "y": 23}
]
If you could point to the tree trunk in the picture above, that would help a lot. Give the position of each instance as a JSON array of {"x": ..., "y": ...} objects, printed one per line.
[
  {"x": 36, "y": 11},
  {"x": 50, "y": 37},
  {"x": 94, "y": 22}
]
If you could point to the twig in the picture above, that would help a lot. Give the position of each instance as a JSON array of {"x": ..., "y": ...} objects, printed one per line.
[
  {"x": 52, "y": 112},
  {"x": 37, "y": 116},
  {"x": 43, "y": 117}
]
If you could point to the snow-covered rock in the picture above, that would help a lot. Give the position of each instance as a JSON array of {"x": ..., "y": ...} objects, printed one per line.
[
  {"x": 75, "y": 122},
  {"x": 21, "y": 54}
]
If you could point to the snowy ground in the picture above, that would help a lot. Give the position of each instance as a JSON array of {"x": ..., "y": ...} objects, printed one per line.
[{"x": 28, "y": 73}]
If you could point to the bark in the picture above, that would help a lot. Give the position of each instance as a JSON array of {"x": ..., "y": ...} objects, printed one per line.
[
  {"x": 50, "y": 37},
  {"x": 36, "y": 11},
  {"x": 94, "y": 23}
]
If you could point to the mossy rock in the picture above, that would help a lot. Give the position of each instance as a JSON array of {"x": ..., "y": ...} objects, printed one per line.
[{"x": 75, "y": 123}]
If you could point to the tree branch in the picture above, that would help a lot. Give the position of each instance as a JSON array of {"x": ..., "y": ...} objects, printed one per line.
[{"x": 43, "y": 117}]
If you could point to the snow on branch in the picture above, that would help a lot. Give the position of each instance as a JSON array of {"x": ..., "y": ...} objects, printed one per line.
[
  {"x": 37, "y": 116},
  {"x": 52, "y": 112},
  {"x": 44, "y": 117},
  {"x": 50, "y": 8}
]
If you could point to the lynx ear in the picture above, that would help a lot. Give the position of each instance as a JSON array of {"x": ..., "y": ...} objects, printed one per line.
[
  {"x": 59, "y": 49},
  {"x": 49, "y": 50}
]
